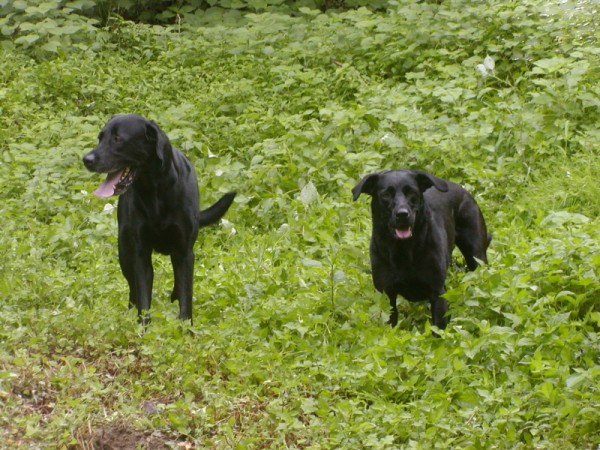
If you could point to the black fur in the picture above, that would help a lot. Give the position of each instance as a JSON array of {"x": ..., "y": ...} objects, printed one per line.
[
  {"x": 417, "y": 220},
  {"x": 158, "y": 208}
]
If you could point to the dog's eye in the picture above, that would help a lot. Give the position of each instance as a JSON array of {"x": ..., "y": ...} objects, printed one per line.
[
  {"x": 387, "y": 194},
  {"x": 413, "y": 198},
  {"x": 116, "y": 138},
  {"x": 411, "y": 195},
  {"x": 408, "y": 192}
]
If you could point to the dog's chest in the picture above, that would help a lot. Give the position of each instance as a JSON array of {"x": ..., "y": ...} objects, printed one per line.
[
  {"x": 411, "y": 284},
  {"x": 165, "y": 240},
  {"x": 164, "y": 227},
  {"x": 407, "y": 272},
  {"x": 170, "y": 232}
]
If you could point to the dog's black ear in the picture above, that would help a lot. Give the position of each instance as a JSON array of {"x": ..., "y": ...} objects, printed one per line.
[
  {"x": 366, "y": 185},
  {"x": 164, "y": 151},
  {"x": 425, "y": 181}
]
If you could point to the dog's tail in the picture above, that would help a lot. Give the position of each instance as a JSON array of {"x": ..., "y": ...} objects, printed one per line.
[{"x": 216, "y": 211}]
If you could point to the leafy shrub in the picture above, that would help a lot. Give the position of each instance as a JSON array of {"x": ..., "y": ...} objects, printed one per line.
[
  {"x": 55, "y": 26},
  {"x": 49, "y": 26}
]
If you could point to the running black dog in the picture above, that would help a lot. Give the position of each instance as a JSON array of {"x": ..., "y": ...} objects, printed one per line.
[
  {"x": 414, "y": 231},
  {"x": 158, "y": 209}
]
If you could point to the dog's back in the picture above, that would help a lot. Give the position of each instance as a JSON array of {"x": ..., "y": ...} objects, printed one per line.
[{"x": 457, "y": 211}]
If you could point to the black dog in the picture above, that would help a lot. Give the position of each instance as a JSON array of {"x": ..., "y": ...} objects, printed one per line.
[
  {"x": 414, "y": 231},
  {"x": 158, "y": 208}
]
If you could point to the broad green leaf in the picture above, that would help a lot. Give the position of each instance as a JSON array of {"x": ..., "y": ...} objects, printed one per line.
[
  {"x": 19, "y": 4},
  {"x": 576, "y": 379},
  {"x": 308, "y": 194},
  {"x": 27, "y": 39},
  {"x": 52, "y": 45},
  {"x": 81, "y": 4},
  {"x": 551, "y": 64},
  {"x": 311, "y": 262}
]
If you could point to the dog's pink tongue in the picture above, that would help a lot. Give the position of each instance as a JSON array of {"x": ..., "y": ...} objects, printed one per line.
[
  {"x": 403, "y": 233},
  {"x": 107, "y": 188}
]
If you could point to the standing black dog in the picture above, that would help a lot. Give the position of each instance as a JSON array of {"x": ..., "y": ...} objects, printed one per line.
[
  {"x": 158, "y": 208},
  {"x": 414, "y": 231}
]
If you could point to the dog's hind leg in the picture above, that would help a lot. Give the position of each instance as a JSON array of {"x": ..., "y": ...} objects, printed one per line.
[
  {"x": 472, "y": 252},
  {"x": 473, "y": 245},
  {"x": 393, "y": 320},
  {"x": 439, "y": 308},
  {"x": 472, "y": 238},
  {"x": 183, "y": 268}
]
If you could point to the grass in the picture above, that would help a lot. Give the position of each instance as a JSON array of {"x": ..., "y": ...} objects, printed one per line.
[{"x": 289, "y": 347}]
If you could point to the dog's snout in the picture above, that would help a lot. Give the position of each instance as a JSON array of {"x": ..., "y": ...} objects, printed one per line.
[{"x": 89, "y": 160}]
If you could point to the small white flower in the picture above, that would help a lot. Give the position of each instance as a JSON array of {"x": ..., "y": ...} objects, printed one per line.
[
  {"x": 218, "y": 172},
  {"x": 227, "y": 224},
  {"x": 489, "y": 63},
  {"x": 108, "y": 207},
  {"x": 84, "y": 192},
  {"x": 487, "y": 66}
]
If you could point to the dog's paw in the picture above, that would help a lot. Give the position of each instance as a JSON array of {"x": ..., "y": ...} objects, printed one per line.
[{"x": 393, "y": 320}]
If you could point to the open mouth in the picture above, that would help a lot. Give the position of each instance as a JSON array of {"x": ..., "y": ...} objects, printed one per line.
[
  {"x": 403, "y": 233},
  {"x": 116, "y": 183}
]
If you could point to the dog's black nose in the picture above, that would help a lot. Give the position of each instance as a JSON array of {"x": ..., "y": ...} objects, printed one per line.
[
  {"x": 89, "y": 160},
  {"x": 402, "y": 214}
]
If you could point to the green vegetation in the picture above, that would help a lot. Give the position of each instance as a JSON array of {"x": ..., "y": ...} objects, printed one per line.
[{"x": 290, "y": 106}]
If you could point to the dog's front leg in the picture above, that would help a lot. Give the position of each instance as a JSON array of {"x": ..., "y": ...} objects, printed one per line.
[
  {"x": 136, "y": 265},
  {"x": 439, "y": 308},
  {"x": 393, "y": 320},
  {"x": 183, "y": 269},
  {"x": 144, "y": 276}
]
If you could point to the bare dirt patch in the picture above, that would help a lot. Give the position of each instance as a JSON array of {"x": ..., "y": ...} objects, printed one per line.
[{"x": 121, "y": 437}]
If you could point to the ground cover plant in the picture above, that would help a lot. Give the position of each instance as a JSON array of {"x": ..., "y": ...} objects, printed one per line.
[{"x": 290, "y": 104}]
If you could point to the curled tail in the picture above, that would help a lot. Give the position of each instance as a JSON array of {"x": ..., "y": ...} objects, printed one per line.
[{"x": 213, "y": 213}]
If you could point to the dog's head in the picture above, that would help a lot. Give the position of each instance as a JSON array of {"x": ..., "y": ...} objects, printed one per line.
[
  {"x": 126, "y": 144},
  {"x": 398, "y": 198}
]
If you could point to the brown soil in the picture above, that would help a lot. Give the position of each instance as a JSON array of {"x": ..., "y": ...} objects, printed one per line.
[{"x": 123, "y": 437}]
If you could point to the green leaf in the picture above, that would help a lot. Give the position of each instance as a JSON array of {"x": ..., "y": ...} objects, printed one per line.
[
  {"x": 311, "y": 262},
  {"x": 81, "y": 4},
  {"x": 19, "y": 4},
  {"x": 308, "y": 194},
  {"x": 550, "y": 65},
  {"x": 52, "y": 45},
  {"x": 28, "y": 39},
  {"x": 576, "y": 379}
]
